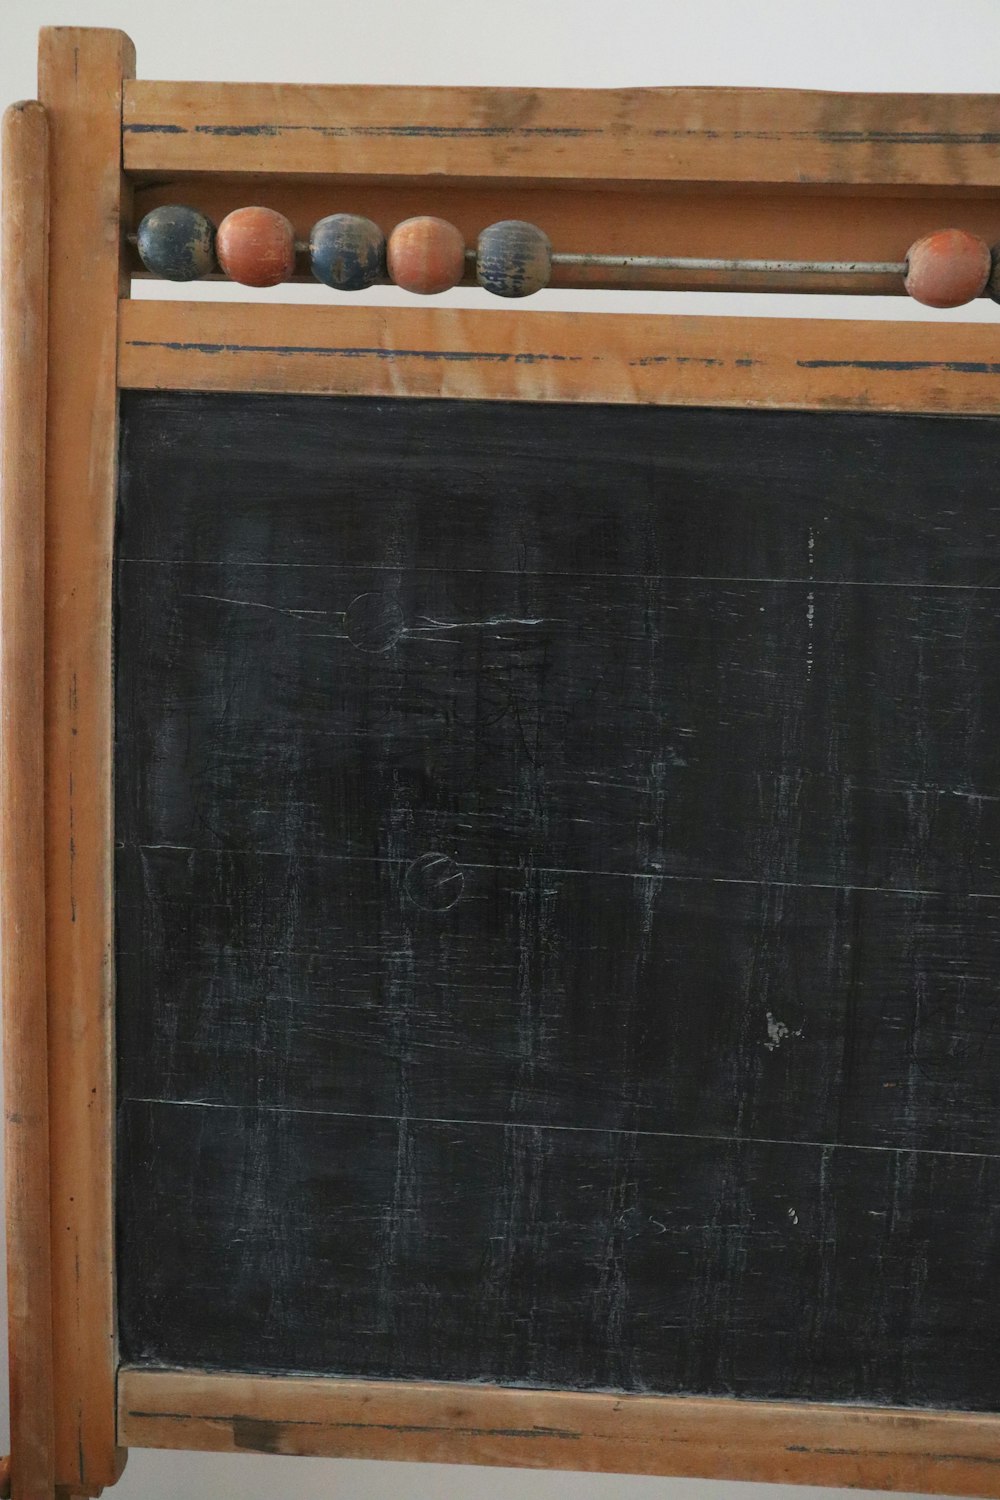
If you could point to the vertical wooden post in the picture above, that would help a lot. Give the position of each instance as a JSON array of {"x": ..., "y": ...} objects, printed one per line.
[
  {"x": 22, "y": 831},
  {"x": 81, "y": 73}
]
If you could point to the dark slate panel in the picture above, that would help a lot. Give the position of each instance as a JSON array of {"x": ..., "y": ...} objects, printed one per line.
[
  {"x": 557, "y": 895},
  {"x": 753, "y": 731},
  {"x": 415, "y": 485},
  {"x": 525, "y": 1255},
  {"x": 863, "y": 1017}
]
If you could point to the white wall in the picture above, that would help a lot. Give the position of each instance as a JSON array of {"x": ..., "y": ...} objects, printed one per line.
[{"x": 919, "y": 45}]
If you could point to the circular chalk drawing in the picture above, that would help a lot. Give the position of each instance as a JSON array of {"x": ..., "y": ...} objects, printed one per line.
[
  {"x": 374, "y": 622},
  {"x": 434, "y": 882}
]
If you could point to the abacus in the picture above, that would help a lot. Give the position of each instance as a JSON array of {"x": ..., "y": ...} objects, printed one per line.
[
  {"x": 424, "y": 255},
  {"x": 499, "y": 807}
]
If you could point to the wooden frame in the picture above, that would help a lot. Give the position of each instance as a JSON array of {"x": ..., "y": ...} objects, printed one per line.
[
  {"x": 22, "y": 770},
  {"x": 677, "y": 162}
]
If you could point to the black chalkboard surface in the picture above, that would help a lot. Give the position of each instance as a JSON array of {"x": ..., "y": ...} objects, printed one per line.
[{"x": 558, "y": 895}]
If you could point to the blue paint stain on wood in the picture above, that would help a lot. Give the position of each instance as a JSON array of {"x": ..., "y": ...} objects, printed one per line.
[
  {"x": 416, "y": 132},
  {"x": 454, "y": 356},
  {"x": 903, "y": 366},
  {"x": 830, "y": 137}
]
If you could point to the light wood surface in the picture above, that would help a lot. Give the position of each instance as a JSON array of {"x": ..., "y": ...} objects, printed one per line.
[
  {"x": 761, "y": 137},
  {"x": 80, "y": 83},
  {"x": 936, "y": 1452},
  {"x": 524, "y": 356},
  {"x": 24, "y": 282}
]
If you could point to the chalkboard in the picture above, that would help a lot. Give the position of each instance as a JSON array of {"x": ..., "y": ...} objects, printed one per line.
[{"x": 558, "y": 895}]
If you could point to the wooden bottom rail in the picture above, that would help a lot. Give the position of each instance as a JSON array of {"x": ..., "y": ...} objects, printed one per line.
[{"x": 947, "y": 1453}]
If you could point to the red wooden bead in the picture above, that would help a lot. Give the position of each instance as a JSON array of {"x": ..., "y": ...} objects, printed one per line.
[
  {"x": 256, "y": 246},
  {"x": 426, "y": 255},
  {"x": 947, "y": 268}
]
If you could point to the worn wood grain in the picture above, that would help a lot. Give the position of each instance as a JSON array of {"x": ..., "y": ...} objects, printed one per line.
[
  {"x": 937, "y": 1452},
  {"x": 557, "y": 895},
  {"x": 771, "y": 137},
  {"x": 80, "y": 83},
  {"x": 544, "y": 357},
  {"x": 24, "y": 280}
]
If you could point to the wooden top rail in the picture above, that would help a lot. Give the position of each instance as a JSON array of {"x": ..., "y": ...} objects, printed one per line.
[{"x": 712, "y": 137}]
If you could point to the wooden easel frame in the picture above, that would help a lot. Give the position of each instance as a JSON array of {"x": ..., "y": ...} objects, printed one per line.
[{"x": 698, "y": 172}]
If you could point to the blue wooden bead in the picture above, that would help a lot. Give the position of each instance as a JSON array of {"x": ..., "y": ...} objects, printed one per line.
[
  {"x": 177, "y": 243},
  {"x": 513, "y": 259},
  {"x": 347, "y": 252},
  {"x": 993, "y": 284}
]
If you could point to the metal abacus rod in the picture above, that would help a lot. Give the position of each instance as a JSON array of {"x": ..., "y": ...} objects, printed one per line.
[
  {"x": 698, "y": 263},
  {"x": 702, "y": 263},
  {"x": 425, "y": 255}
]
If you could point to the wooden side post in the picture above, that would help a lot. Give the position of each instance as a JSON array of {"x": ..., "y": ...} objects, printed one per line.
[
  {"x": 24, "y": 279},
  {"x": 81, "y": 74}
]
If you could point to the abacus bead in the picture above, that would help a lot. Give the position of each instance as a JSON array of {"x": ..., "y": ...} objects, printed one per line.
[
  {"x": 177, "y": 243},
  {"x": 256, "y": 246},
  {"x": 348, "y": 252},
  {"x": 947, "y": 268},
  {"x": 993, "y": 284},
  {"x": 513, "y": 259},
  {"x": 426, "y": 255}
]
